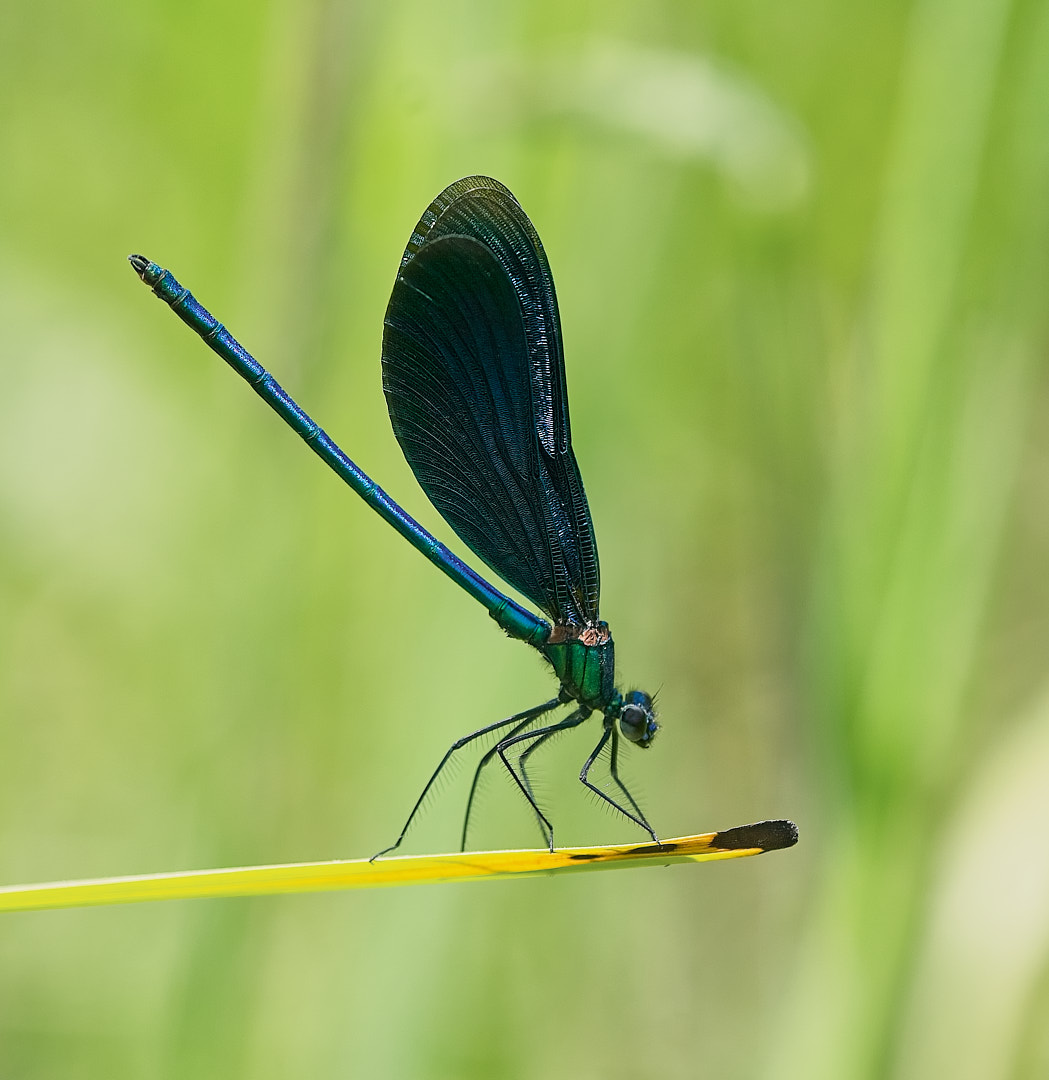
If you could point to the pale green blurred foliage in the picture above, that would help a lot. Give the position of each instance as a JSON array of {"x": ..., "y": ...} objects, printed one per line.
[{"x": 801, "y": 252}]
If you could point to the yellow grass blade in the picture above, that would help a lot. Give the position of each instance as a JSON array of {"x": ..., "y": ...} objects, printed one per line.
[{"x": 412, "y": 870}]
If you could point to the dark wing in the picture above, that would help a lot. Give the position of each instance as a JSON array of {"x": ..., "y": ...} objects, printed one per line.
[{"x": 474, "y": 377}]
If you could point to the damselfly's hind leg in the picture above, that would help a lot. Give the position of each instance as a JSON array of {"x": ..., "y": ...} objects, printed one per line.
[
  {"x": 540, "y": 735},
  {"x": 529, "y": 718},
  {"x": 637, "y": 816},
  {"x": 520, "y": 718}
]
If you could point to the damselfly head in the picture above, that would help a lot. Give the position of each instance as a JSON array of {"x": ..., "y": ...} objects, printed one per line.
[{"x": 637, "y": 719}]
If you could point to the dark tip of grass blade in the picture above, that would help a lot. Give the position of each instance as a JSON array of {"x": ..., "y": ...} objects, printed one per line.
[{"x": 767, "y": 835}]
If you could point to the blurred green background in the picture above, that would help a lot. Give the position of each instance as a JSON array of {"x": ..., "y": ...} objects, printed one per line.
[{"x": 802, "y": 254}]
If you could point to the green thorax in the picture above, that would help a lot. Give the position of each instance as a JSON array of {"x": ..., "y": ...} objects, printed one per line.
[{"x": 584, "y": 660}]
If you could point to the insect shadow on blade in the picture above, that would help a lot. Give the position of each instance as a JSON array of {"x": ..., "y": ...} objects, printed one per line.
[{"x": 474, "y": 376}]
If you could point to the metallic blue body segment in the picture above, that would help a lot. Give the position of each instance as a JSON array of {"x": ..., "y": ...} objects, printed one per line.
[{"x": 517, "y": 621}]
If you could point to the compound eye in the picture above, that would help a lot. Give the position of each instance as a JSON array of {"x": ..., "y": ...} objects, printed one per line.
[{"x": 637, "y": 724}]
